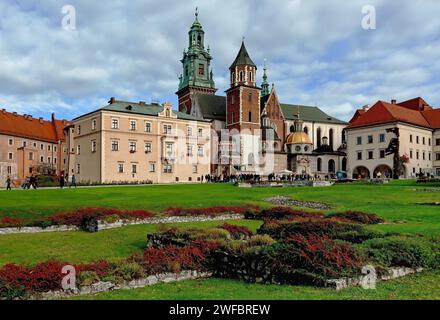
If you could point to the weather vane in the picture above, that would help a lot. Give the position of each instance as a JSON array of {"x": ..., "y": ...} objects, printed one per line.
[{"x": 197, "y": 11}]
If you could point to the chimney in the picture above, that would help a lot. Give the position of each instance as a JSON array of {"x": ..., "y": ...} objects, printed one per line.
[
  {"x": 14, "y": 113},
  {"x": 112, "y": 100},
  {"x": 41, "y": 120},
  {"x": 394, "y": 101},
  {"x": 53, "y": 117}
]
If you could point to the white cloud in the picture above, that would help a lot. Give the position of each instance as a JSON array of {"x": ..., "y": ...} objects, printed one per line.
[{"x": 317, "y": 51}]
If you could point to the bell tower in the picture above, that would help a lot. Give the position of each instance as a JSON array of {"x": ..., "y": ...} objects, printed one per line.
[
  {"x": 197, "y": 76},
  {"x": 243, "y": 96}
]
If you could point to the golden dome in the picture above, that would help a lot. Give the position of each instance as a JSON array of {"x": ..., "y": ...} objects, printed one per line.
[{"x": 299, "y": 138}]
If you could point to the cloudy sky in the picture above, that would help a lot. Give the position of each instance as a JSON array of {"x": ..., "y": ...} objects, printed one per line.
[{"x": 317, "y": 51}]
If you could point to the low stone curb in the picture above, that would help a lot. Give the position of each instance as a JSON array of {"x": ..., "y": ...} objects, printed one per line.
[
  {"x": 122, "y": 223},
  {"x": 101, "y": 287},
  {"x": 393, "y": 273}
]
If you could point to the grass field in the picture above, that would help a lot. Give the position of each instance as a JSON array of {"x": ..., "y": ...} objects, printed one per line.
[{"x": 396, "y": 202}]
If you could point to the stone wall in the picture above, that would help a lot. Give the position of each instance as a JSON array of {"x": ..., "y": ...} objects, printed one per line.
[{"x": 102, "y": 225}]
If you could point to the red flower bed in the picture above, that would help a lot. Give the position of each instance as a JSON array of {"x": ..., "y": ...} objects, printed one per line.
[
  {"x": 357, "y": 217},
  {"x": 101, "y": 268},
  {"x": 76, "y": 218},
  {"x": 211, "y": 211},
  {"x": 173, "y": 258},
  {"x": 237, "y": 232},
  {"x": 279, "y": 213},
  {"x": 8, "y": 222},
  {"x": 324, "y": 256}
]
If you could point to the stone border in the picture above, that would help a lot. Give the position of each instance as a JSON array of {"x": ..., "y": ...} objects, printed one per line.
[
  {"x": 102, "y": 225},
  {"x": 101, "y": 287},
  {"x": 287, "y": 201},
  {"x": 393, "y": 273}
]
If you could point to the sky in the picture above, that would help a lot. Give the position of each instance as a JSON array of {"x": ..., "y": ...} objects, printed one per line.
[{"x": 317, "y": 51}]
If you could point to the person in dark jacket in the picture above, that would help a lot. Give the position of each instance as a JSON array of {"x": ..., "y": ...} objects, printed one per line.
[
  {"x": 62, "y": 180},
  {"x": 73, "y": 184},
  {"x": 8, "y": 184}
]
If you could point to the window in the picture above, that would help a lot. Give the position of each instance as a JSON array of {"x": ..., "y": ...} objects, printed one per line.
[
  {"x": 251, "y": 76},
  {"x": 134, "y": 168},
  {"x": 437, "y": 142},
  {"x": 10, "y": 155},
  {"x": 41, "y": 159},
  {"x": 48, "y": 148},
  {"x": 437, "y": 156},
  {"x": 370, "y": 155},
  {"x": 41, "y": 146},
  {"x": 382, "y": 154},
  {"x": 200, "y": 151},
  {"x": 167, "y": 168},
  {"x": 167, "y": 129},
  {"x": 120, "y": 168},
  {"x": 411, "y": 138},
  {"x": 55, "y": 160},
  {"x": 189, "y": 150},
  {"x": 78, "y": 150},
  {"x": 382, "y": 138},
  {"x": 115, "y": 145},
  {"x": 417, "y": 155},
  {"x": 132, "y": 125},
  {"x": 35, "y": 144},
  {"x": 411, "y": 154},
  {"x": 195, "y": 168},
  {"x": 429, "y": 156},
  {"x": 94, "y": 124},
  {"x": 115, "y": 124},
  {"x": 319, "y": 165},
  {"x": 55, "y": 148},
  {"x": 200, "y": 132},
  {"x": 49, "y": 160},
  {"x": 152, "y": 167},
  {"x": 250, "y": 97},
  {"x": 359, "y": 155},
  {"x": 417, "y": 139},
  {"x": 147, "y": 127},
  {"x": 424, "y": 155},
  {"x": 78, "y": 130},
  {"x": 78, "y": 168},
  {"x": 201, "y": 69},
  {"x": 93, "y": 146},
  {"x": 240, "y": 75},
  {"x": 370, "y": 139},
  {"x": 148, "y": 148},
  {"x": 359, "y": 141},
  {"x": 11, "y": 142},
  {"x": 429, "y": 141},
  {"x": 250, "y": 116},
  {"x": 132, "y": 147},
  {"x": 189, "y": 131},
  {"x": 423, "y": 140},
  {"x": 24, "y": 144},
  {"x": 31, "y": 156},
  {"x": 169, "y": 149}
]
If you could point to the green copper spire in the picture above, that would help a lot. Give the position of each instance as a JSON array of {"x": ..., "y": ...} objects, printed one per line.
[
  {"x": 196, "y": 60},
  {"x": 243, "y": 57},
  {"x": 265, "y": 85}
]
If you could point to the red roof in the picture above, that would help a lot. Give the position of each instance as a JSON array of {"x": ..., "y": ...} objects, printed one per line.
[
  {"x": 26, "y": 126},
  {"x": 357, "y": 114},
  {"x": 433, "y": 117},
  {"x": 417, "y": 104},
  {"x": 383, "y": 112}
]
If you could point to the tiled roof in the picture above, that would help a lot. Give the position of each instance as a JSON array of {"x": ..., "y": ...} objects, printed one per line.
[
  {"x": 417, "y": 104},
  {"x": 243, "y": 58},
  {"x": 211, "y": 106},
  {"x": 26, "y": 126},
  {"x": 312, "y": 114},
  {"x": 383, "y": 112},
  {"x": 433, "y": 117},
  {"x": 142, "y": 109}
]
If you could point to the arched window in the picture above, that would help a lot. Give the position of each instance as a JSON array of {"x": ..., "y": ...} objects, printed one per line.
[
  {"x": 344, "y": 138},
  {"x": 250, "y": 116},
  {"x": 292, "y": 129},
  {"x": 306, "y": 130},
  {"x": 331, "y": 138},
  {"x": 331, "y": 166},
  {"x": 233, "y": 77},
  {"x": 241, "y": 76},
  {"x": 344, "y": 164},
  {"x": 319, "y": 137},
  {"x": 319, "y": 165},
  {"x": 251, "y": 76},
  {"x": 199, "y": 40}
]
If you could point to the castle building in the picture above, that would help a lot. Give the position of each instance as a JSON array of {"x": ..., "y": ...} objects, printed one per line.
[
  {"x": 262, "y": 135},
  {"x": 129, "y": 142},
  {"x": 372, "y": 133},
  {"x": 30, "y": 146}
]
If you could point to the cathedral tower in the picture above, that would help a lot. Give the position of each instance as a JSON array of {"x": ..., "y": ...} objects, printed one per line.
[{"x": 197, "y": 76}]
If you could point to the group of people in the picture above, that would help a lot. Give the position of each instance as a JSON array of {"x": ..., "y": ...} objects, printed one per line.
[
  {"x": 64, "y": 181},
  {"x": 29, "y": 182}
]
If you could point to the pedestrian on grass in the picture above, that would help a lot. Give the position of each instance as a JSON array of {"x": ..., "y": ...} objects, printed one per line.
[
  {"x": 67, "y": 180},
  {"x": 61, "y": 181},
  {"x": 73, "y": 184},
  {"x": 8, "y": 184}
]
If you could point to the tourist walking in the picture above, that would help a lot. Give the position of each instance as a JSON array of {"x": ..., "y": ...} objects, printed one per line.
[
  {"x": 8, "y": 184},
  {"x": 73, "y": 184},
  {"x": 62, "y": 180},
  {"x": 67, "y": 180}
]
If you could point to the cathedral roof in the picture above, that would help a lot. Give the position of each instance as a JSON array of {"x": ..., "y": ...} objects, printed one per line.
[
  {"x": 211, "y": 106},
  {"x": 243, "y": 58},
  {"x": 309, "y": 114}
]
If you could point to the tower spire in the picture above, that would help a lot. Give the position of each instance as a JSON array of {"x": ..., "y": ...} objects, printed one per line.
[{"x": 265, "y": 84}]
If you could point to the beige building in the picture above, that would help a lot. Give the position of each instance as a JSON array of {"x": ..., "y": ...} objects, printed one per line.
[
  {"x": 128, "y": 142},
  {"x": 369, "y": 136}
]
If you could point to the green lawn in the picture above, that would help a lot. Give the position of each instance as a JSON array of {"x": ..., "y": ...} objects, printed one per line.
[{"x": 395, "y": 202}]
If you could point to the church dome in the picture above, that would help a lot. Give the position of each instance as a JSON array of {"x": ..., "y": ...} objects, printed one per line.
[{"x": 299, "y": 137}]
